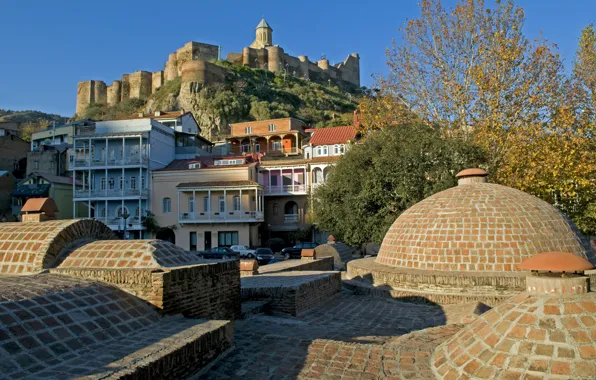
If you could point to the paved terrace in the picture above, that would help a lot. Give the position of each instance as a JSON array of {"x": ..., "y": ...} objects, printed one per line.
[{"x": 347, "y": 337}]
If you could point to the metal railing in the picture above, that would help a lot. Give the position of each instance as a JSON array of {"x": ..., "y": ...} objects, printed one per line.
[
  {"x": 219, "y": 216},
  {"x": 291, "y": 218},
  {"x": 111, "y": 193},
  {"x": 286, "y": 189},
  {"x": 85, "y": 162}
]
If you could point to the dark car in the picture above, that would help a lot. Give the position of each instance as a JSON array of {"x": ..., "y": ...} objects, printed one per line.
[
  {"x": 219, "y": 253},
  {"x": 295, "y": 251},
  {"x": 264, "y": 255}
]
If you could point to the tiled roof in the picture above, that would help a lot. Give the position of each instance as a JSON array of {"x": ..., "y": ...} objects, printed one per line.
[
  {"x": 333, "y": 135},
  {"x": 218, "y": 184},
  {"x": 207, "y": 163},
  {"x": 46, "y": 205}
]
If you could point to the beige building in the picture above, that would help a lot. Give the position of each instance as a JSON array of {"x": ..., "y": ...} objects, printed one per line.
[{"x": 208, "y": 202}]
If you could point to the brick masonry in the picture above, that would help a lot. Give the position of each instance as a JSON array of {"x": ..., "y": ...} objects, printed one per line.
[
  {"x": 58, "y": 327},
  {"x": 210, "y": 290},
  {"x": 530, "y": 335},
  {"x": 33, "y": 247},
  {"x": 479, "y": 227},
  {"x": 320, "y": 264},
  {"x": 291, "y": 292},
  {"x": 441, "y": 287}
]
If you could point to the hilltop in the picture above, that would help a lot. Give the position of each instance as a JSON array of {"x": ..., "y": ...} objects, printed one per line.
[
  {"x": 246, "y": 94},
  {"x": 29, "y": 116}
]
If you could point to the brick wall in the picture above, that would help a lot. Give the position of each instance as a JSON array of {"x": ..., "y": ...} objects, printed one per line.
[
  {"x": 322, "y": 264},
  {"x": 201, "y": 291}
]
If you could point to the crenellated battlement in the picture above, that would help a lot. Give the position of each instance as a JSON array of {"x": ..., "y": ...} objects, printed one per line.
[{"x": 261, "y": 54}]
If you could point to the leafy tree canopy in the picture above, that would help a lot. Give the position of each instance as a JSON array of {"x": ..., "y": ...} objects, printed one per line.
[{"x": 392, "y": 170}]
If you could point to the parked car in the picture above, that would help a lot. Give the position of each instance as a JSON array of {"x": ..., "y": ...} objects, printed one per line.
[
  {"x": 264, "y": 255},
  {"x": 295, "y": 251},
  {"x": 276, "y": 260},
  {"x": 244, "y": 251},
  {"x": 219, "y": 253}
]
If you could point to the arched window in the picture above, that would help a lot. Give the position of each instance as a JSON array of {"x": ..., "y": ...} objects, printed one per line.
[
  {"x": 325, "y": 174},
  {"x": 121, "y": 211},
  {"x": 291, "y": 208},
  {"x": 236, "y": 202},
  {"x": 336, "y": 149},
  {"x": 319, "y": 151},
  {"x": 317, "y": 175},
  {"x": 167, "y": 205}
]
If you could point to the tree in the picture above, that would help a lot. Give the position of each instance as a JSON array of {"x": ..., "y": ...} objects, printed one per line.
[
  {"x": 473, "y": 72},
  {"x": 30, "y": 127},
  {"x": 377, "y": 180}
]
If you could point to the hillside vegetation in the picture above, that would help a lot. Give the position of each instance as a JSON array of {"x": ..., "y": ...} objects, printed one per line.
[
  {"x": 30, "y": 121},
  {"x": 247, "y": 94}
]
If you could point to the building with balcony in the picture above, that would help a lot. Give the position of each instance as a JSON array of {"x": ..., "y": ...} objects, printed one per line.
[
  {"x": 112, "y": 162},
  {"x": 57, "y": 134},
  {"x": 208, "y": 202},
  {"x": 268, "y": 137}
]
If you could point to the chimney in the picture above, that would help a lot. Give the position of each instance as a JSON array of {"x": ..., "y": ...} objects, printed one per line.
[
  {"x": 556, "y": 272},
  {"x": 308, "y": 255},
  {"x": 471, "y": 176},
  {"x": 157, "y": 113},
  {"x": 331, "y": 239},
  {"x": 37, "y": 210},
  {"x": 249, "y": 268}
]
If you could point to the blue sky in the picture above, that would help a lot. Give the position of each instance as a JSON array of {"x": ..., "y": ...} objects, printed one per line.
[{"x": 49, "y": 46}]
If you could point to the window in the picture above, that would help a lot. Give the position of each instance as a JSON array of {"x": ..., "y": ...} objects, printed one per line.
[
  {"x": 138, "y": 212},
  {"x": 105, "y": 212},
  {"x": 111, "y": 183},
  {"x": 336, "y": 149},
  {"x": 276, "y": 145},
  {"x": 227, "y": 238},
  {"x": 121, "y": 211},
  {"x": 193, "y": 240},
  {"x": 206, "y": 207},
  {"x": 257, "y": 148},
  {"x": 274, "y": 180},
  {"x": 222, "y": 204},
  {"x": 228, "y": 162},
  {"x": 236, "y": 201},
  {"x": 245, "y": 148},
  {"x": 342, "y": 148},
  {"x": 319, "y": 151},
  {"x": 142, "y": 182},
  {"x": 191, "y": 205},
  {"x": 307, "y": 155},
  {"x": 248, "y": 130},
  {"x": 275, "y": 209},
  {"x": 121, "y": 183},
  {"x": 167, "y": 205},
  {"x": 35, "y": 164},
  {"x": 194, "y": 166},
  {"x": 325, "y": 150},
  {"x": 102, "y": 184},
  {"x": 16, "y": 165},
  {"x": 271, "y": 127},
  {"x": 133, "y": 183}
]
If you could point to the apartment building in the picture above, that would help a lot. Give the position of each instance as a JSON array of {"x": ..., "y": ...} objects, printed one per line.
[
  {"x": 44, "y": 185},
  {"x": 209, "y": 201},
  {"x": 268, "y": 137}
]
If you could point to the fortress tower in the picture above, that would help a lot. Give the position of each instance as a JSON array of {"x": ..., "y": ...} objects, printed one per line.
[{"x": 264, "y": 36}]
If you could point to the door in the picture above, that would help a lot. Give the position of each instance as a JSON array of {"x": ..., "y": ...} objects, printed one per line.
[{"x": 207, "y": 240}]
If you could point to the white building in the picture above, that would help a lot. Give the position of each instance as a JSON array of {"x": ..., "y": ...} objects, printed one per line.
[{"x": 112, "y": 162}]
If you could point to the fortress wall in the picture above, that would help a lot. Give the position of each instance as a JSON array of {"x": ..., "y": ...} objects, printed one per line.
[
  {"x": 203, "y": 51},
  {"x": 114, "y": 93},
  {"x": 235, "y": 58},
  {"x": 124, "y": 87},
  {"x": 89, "y": 92},
  {"x": 262, "y": 58},
  {"x": 140, "y": 84},
  {"x": 171, "y": 71},
  {"x": 100, "y": 92},
  {"x": 157, "y": 80},
  {"x": 275, "y": 56},
  {"x": 350, "y": 69}
]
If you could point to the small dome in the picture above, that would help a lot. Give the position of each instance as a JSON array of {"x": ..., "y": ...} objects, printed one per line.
[
  {"x": 547, "y": 336},
  {"x": 556, "y": 262},
  {"x": 478, "y": 226}
]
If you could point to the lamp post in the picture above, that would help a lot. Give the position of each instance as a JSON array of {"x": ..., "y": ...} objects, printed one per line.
[{"x": 125, "y": 216}]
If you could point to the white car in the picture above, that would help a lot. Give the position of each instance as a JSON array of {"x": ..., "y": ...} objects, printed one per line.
[{"x": 244, "y": 251}]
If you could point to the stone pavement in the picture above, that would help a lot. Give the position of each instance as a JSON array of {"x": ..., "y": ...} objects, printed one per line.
[{"x": 348, "y": 337}]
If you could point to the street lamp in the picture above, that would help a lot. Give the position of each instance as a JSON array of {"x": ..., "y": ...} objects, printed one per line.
[{"x": 125, "y": 216}]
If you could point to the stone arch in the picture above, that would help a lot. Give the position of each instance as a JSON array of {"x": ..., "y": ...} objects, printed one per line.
[
  {"x": 32, "y": 247},
  {"x": 317, "y": 175},
  {"x": 166, "y": 234}
]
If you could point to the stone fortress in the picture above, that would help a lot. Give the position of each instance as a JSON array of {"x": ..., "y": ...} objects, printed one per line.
[{"x": 194, "y": 63}]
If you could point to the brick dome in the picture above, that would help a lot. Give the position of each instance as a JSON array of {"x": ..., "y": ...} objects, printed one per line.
[
  {"x": 478, "y": 226},
  {"x": 32, "y": 247},
  {"x": 540, "y": 336},
  {"x": 119, "y": 254}
]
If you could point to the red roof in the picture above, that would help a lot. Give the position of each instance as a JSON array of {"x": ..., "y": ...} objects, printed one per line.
[{"x": 333, "y": 135}]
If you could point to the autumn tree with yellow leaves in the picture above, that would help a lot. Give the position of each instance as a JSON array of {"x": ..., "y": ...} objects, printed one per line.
[{"x": 471, "y": 73}]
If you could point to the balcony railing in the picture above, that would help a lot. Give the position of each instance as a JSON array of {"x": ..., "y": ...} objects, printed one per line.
[
  {"x": 194, "y": 217},
  {"x": 286, "y": 189},
  {"x": 79, "y": 162},
  {"x": 111, "y": 193},
  {"x": 291, "y": 218},
  {"x": 118, "y": 222}
]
